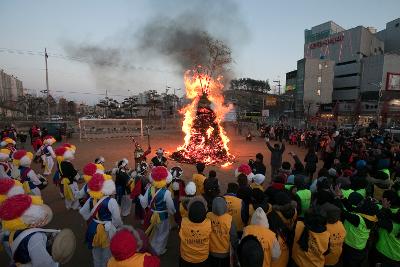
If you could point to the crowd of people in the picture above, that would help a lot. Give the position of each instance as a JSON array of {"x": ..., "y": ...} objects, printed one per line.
[{"x": 343, "y": 214}]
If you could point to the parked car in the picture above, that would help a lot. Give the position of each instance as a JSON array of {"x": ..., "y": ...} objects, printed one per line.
[
  {"x": 56, "y": 118},
  {"x": 57, "y": 129}
]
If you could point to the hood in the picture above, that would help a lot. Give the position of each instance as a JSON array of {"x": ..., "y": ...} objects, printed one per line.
[
  {"x": 197, "y": 209},
  {"x": 259, "y": 218},
  {"x": 219, "y": 206}
]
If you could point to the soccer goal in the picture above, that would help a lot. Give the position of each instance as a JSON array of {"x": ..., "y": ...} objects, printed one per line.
[{"x": 109, "y": 128}]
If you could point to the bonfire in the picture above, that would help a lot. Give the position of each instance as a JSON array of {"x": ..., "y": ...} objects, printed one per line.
[{"x": 205, "y": 138}]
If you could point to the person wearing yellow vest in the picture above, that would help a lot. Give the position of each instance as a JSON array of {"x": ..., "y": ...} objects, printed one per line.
[
  {"x": 258, "y": 181},
  {"x": 103, "y": 217},
  {"x": 195, "y": 235},
  {"x": 223, "y": 234},
  {"x": 190, "y": 191},
  {"x": 303, "y": 195},
  {"x": 236, "y": 208},
  {"x": 250, "y": 252},
  {"x": 311, "y": 241},
  {"x": 387, "y": 248},
  {"x": 123, "y": 246},
  {"x": 198, "y": 178},
  {"x": 380, "y": 182},
  {"x": 337, "y": 233},
  {"x": 359, "y": 216},
  {"x": 259, "y": 227},
  {"x": 282, "y": 220}
]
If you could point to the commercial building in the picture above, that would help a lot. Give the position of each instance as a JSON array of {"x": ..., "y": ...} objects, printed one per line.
[
  {"x": 10, "y": 89},
  {"x": 363, "y": 66},
  {"x": 314, "y": 85}
]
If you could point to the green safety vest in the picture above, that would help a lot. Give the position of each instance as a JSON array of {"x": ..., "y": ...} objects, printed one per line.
[
  {"x": 346, "y": 192},
  {"x": 362, "y": 192},
  {"x": 356, "y": 237},
  {"x": 388, "y": 244},
  {"x": 305, "y": 200},
  {"x": 289, "y": 186},
  {"x": 386, "y": 171}
]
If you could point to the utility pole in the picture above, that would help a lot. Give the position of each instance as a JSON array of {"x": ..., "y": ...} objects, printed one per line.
[
  {"x": 279, "y": 86},
  {"x": 47, "y": 85}
]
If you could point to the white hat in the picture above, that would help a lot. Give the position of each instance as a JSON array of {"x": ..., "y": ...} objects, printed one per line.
[
  {"x": 9, "y": 188},
  {"x": 190, "y": 189},
  {"x": 24, "y": 211},
  {"x": 4, "y": 154},
  {"x": 22, "y": 158},
  {"x": 258, "y": 178},
  {"x": 160, "y": 151},
  {"x": 259, "y": 218},
  {"x": 49, "y": 140}
]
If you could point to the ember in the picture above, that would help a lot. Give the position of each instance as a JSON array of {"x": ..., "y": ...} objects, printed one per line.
[{"x": 205, "y": 139}]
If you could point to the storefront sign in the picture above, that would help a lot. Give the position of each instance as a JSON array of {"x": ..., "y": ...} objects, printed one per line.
[
  {"x": 271, "y": 101},
  {"x": 393, "y": 81},
  {"x": 327, "y": 41}
]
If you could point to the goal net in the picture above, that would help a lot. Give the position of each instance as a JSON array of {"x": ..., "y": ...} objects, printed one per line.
[{"x": 109, "y": 128}]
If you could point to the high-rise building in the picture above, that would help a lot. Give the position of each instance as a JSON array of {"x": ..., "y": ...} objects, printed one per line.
[{"x": 366, "y": 70}]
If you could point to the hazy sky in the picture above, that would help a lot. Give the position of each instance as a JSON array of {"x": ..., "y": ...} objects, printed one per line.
[{"x": 266, "y": 38}]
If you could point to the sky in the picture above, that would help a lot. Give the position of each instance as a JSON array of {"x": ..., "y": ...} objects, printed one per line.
[{"x": 266, "y": 38}]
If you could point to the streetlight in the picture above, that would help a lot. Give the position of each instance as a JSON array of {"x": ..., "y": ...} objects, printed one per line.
[
  {"x": 379, "y": 86},
  {"x": 279, "y": 85}
]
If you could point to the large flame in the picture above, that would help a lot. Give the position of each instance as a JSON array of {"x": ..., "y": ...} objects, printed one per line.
[{"x": 199, "y": 83}]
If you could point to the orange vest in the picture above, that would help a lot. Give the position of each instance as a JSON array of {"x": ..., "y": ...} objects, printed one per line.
[
  {"x": 257, "y": 186},
  {"x": 182, "y": 210},
  {"x": 234, "y": 205},
  {"x": 136, "y": 260},
  {"x": 284, "y": 257},
  {"x": 266, "y": 238},
  {"x": 289, "y": 223},
  {"x": 198, "y": 179},
  {"x": 220, "y": 238},
  {"x": 195, "y": 240},
  {"x": 338, "y": 233},
  {"x": 317, "y": 245}
]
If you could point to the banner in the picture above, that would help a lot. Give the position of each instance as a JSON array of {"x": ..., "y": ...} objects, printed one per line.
[
  {"x": 271, "y": 100},
  {"x": 393, "y": 81}
]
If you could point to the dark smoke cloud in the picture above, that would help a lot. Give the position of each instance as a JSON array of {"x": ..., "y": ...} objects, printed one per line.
[{"x": 176, "y": 34}]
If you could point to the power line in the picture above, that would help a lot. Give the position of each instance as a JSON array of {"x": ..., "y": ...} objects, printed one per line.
[{"x": 84, "y": 60}]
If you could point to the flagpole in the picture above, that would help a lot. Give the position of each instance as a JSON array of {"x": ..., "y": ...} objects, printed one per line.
[{"x": 47, "y": 85}]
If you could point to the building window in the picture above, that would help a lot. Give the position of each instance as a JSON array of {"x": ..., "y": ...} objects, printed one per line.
[
  {"x": 319, "y": 79},
  {"x": 319, "y": 66},
  {"x": 319, "y": 92}
]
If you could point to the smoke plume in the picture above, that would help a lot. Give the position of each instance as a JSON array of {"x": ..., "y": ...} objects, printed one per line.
[{"x": 176, "y": 38}]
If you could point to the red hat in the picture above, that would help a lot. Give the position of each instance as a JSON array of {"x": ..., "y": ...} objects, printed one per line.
[
  {"x": 347, "y": 173},
  {"x": 23, "y": 158},
  {"x": 88, "y": 171},
  {"x": 14, "y": 207},
  {"x": 60, "y": 151},
  {"x": 9, "y": 188},
  {"x": 101, "y": 185},
  {"x": 246, "y": 170},
  {"x": 159, "y": 175},
  {"x": 123, "y": 245}
]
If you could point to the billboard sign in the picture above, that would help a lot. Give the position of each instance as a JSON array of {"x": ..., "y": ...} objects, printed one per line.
[
  {"x": 265, "y": 113},
  {"x": 393, "y": 81},
  {"x": 271, "y": 101}
]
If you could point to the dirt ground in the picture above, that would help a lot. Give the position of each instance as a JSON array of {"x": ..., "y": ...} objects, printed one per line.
[{"x": 115, "y": 149}]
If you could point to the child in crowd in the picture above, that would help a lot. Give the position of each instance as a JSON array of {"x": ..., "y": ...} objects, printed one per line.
[
  {"x": 223, "y": 235},
  {"x": 195, "y": 235}
]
